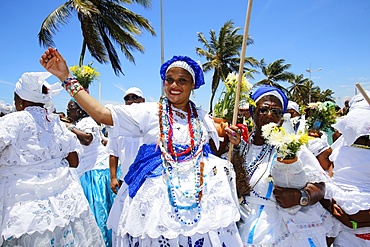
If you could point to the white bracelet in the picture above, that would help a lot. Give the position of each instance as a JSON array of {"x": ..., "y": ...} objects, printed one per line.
[{"x": 71, "y": 127}]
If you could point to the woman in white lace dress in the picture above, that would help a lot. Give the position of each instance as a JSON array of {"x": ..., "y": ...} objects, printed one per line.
[
  {"x": 179, "y": 193},
  {"x": 41, "y": 202}
]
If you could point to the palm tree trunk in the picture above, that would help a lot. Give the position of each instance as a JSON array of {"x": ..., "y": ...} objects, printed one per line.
[
  {"x": 215, "y": 82},
  {"x": 82, "y": 55}
]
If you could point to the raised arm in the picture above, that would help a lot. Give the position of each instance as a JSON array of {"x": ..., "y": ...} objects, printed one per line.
[{"x": 54, "y": 62}]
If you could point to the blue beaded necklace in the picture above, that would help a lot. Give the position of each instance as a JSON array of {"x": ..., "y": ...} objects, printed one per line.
[
  {"x": 173, "y": 164},
  {"x": 252, "y": 167}
]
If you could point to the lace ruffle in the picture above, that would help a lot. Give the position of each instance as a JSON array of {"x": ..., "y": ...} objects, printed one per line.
[{"x": 150, "y": 214}]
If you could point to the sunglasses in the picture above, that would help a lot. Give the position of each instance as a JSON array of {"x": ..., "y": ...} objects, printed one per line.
[
  {"x": 273, "y": 111},
  {"x": 132, "y": 97},
  {"x": 181, "y": 82}
]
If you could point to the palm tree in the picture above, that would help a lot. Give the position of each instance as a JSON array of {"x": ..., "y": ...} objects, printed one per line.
[
  {"x": 327, "y": 95},
  {"x": 315, "y": 94},
  {"x": 103, "y": 24},
  {"x": 223, "y": 54},
  {"x": 275, "y": 72},
  {"x": 297, "y": 90}
]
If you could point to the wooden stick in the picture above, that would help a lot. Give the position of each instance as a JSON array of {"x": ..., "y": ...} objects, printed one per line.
[
  {"x": 362, "y": 91},
  {"x": 241, "y": 70}
]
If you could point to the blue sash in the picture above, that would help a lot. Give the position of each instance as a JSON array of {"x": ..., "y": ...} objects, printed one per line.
[{"x": 148, "y": 164}]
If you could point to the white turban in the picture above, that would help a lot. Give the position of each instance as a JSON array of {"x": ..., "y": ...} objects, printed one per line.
[
  {"x": 6, "y": 108},
  {"x": 319, "y": 144},
  {"x": 293, "y": 105},
  {"x": 29, "y": 87},
  {"x": 357, "y": 122}
]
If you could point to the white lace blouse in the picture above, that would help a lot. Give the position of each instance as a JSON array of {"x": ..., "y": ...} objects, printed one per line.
[
  {"x": 149, "y": 213},
  {"x": 37, "y": 190}
]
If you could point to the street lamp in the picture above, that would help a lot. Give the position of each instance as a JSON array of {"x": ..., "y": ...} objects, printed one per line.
[{"x": 310, "y": 71}]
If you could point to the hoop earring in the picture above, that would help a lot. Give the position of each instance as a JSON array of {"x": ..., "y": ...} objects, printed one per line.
[{"x": 192, "y": 92}]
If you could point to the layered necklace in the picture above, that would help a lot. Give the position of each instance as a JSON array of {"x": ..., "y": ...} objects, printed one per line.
[
  {"x": 252, "y": 167},
  {"x": 180, "y": 160}
]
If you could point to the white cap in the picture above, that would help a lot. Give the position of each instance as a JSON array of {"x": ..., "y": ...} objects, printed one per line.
[
  {"x": 134, "y": 90},
  {"x": 319, "y": 144},
  {"x": 293, "y": 105}
]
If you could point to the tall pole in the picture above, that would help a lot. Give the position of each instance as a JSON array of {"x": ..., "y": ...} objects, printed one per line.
[
  {"x": 309, "y": 92},
  {"x": 99, "y": 91},
  {"x": 162, "y": 44},
  {"x": 241, "y": 69},
  {"x": 310, "y": 72}
]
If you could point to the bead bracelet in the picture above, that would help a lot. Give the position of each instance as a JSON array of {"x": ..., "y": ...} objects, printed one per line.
[{"x": 72, "y": 86}]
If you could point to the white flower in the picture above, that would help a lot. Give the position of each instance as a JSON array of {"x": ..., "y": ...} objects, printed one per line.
[{"x": 286, "y": 144}]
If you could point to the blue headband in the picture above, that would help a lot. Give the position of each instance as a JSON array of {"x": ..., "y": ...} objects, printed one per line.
[
  {"x": 265, "y": 90},
  {"x": 198, "y": 72}
]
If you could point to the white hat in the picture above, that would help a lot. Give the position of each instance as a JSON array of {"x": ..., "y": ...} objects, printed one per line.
[
  {"x": 318, "y": 144},
  {"x": 29, "y": 87},
  {"x": 293, "y": 105},
  {"x": 356, "y": 123},
  {"x": 133, "y": 90},
  {"x": 6, "y": 108}
]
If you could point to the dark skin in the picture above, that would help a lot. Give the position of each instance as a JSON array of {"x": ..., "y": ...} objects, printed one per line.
[
  {"x": 293, "y": 113},
  {"x": 75, "y": 112},
  {"x": 362, "y": 217},
  {"x": 285, "y": 197},
  {"x": 21, "y": 104}
]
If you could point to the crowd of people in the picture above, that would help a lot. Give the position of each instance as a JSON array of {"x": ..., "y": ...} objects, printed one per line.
[{"x": 154, "y": 173}]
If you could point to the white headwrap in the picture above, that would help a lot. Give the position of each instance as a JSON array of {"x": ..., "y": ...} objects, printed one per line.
[
  {"x": 29, "y": 87},
  {"x": 293, "y": 105},
  {"x": 184, "y": 65},
  {"x": 357, "y": 122},
  {"x": 274, "y": 93},
  {"x": 6, "y": 108},
  {"x": 319, "y": 144}
]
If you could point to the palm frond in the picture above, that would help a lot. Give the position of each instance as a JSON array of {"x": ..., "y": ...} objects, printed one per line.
[{"x": 51, "y": 24}]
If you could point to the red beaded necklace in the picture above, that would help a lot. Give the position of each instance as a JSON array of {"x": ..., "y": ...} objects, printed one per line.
[{"x": 170, "y": 133}]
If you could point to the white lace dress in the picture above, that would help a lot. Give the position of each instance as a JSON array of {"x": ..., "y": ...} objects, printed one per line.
[
  {"x": 264, "y": 223},
  {"x": 148, "y": 219},
  {"x": 94, "y": 174},
  {"x": 41, "y": 201},
  {"x": 350, "y": 187}
]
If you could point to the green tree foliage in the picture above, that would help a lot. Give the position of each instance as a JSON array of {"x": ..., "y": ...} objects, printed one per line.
[
  {"x": 104, "y": 24},
  {"x": 222, "y": 53}
]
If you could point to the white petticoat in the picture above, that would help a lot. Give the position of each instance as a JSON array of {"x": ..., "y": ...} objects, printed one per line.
[{"x": 150, "y": 216}]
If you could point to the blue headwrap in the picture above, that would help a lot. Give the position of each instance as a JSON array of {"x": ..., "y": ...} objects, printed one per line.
[
  {"x": 188, "y": 64},
  {"x": 269, "y": 90}
]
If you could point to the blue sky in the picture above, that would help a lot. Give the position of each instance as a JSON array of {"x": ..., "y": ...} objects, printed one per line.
[{"x": 330, "y": 34}]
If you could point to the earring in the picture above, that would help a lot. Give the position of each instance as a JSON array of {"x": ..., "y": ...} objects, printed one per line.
[
  {"x": 21, "y": 105},
  {"x": 192, "y": 92}
]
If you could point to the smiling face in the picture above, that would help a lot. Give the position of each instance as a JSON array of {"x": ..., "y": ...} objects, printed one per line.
[{"x": 178, "y": 85}]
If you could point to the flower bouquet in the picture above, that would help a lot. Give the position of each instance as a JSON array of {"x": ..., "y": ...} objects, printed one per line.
[
  {"x": 320, "y": 116},
  {"x": 85, "y": 74},
  {"x": 224, "y": 107},
  {"x": 286, "y": 144},
  {"x": 288, "y": 170}
]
